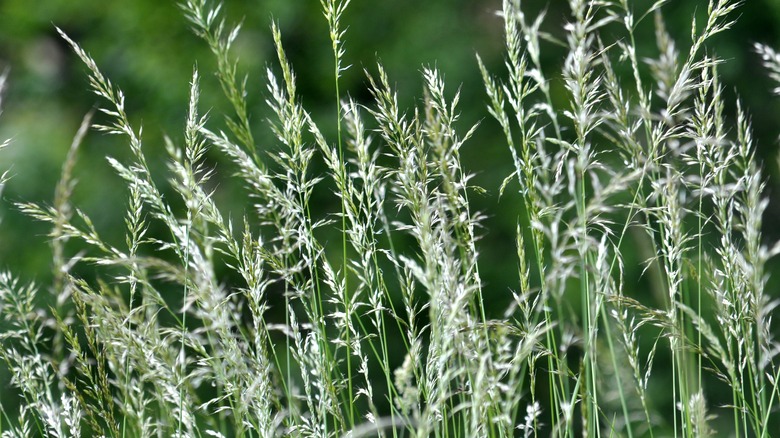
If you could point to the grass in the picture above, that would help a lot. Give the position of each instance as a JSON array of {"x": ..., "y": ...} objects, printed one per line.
[{"x": 641, "y": 157}]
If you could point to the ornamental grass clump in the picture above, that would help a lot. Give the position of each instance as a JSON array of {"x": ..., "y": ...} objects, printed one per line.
[{"x": 385, "y": 330}]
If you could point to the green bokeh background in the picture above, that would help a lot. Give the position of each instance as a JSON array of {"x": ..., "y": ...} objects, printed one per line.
[{"x": 146, "y": 48}]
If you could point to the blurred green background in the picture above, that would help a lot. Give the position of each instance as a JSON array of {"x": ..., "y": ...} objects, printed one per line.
[{"x": 146, "y": 48}]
